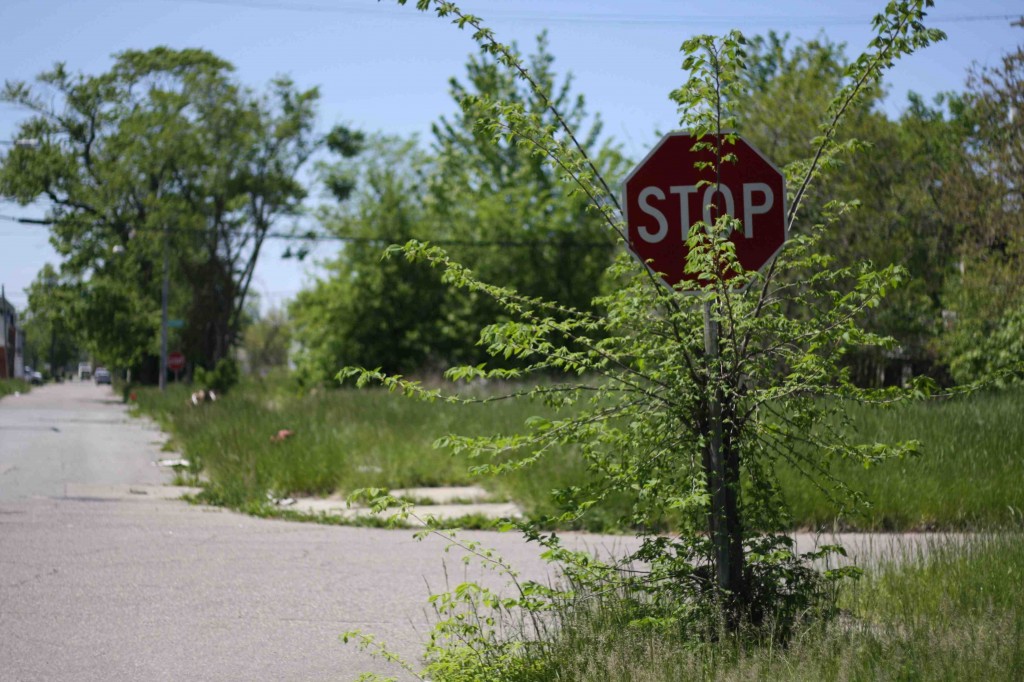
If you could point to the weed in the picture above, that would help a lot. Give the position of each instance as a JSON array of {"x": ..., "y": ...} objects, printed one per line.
[
  {"x": 11, "y": 386},
  {"x": 950, "y": 611}
]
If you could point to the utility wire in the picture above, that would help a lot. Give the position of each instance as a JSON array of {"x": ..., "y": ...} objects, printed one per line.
[
  {"x": 579, "y": 18},
  {"x": 352, "y": 239}
]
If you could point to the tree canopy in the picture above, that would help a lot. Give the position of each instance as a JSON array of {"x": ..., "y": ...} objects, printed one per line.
[
  {"x": 491, "y": 201},
  {"x": 164, "y": 155},
  {"x": 983, "y": 192},
  {"x": 365, "y": 308},
  {"x": 882, "y": 174}
]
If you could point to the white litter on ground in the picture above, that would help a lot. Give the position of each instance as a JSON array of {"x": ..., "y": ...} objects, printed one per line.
[{"x": 179, "y": 462}]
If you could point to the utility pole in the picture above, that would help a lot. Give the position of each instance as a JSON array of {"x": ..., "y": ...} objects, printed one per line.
[
  {"x": 163, "y": 315},
  {"x": 53, "y": 349}
]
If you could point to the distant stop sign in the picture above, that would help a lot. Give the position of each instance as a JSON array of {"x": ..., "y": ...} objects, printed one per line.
[
  {"x": 665, "y": 197},
  {"x": 175, "y": 361}
]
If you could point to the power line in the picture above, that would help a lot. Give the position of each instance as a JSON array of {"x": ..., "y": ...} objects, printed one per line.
[
  {"x": 579, "y": 18},
  {"x": 353, "y": 239}
]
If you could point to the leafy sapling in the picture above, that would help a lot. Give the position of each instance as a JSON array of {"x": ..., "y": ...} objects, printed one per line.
[{"x": 649, "y": 406}]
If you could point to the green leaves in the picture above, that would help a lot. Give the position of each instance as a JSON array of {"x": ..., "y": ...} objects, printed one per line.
[
  {"x": 714, "y": 65},
  {"x": 164, "y": 153},
  {"x": 644, "y": 397}
]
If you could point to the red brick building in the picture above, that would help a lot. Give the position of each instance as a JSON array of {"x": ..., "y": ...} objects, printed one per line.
[{"x": 11, "y": 363}]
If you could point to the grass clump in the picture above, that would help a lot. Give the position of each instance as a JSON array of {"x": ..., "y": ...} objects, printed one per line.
[
  {"x": 11, "y": 386},
  {"x": 951, "y": 611}
]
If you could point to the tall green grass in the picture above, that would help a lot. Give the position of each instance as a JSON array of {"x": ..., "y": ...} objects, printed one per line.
[
  {"x": 952, "y": 611},
  {"x": 341, "y": 440},
  {"x": 970, "y": 475}
]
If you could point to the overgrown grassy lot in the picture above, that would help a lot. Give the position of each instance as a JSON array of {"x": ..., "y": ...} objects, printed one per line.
[
  {"x": 341, "y": 440},
  {"x": 970, "y": 473},
  {"x": 954, "y": 612},
  {"x": 9, "y": 386},
  {"x": 951, "y": 611}
]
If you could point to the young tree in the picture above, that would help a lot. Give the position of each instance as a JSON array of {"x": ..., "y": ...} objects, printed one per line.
[
  {"x": 163, "y": 162},
  {"x": 654, "y": 404}
]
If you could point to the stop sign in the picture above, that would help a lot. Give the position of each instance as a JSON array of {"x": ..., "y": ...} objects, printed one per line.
[
  {"x": 175, "y": 361},
  {"x": 665, "y": 197}
]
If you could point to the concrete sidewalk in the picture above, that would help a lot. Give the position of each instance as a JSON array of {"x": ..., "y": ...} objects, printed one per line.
[{"x": 442, "y": 503}]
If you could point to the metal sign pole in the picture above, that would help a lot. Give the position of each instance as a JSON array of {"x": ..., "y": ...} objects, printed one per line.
[
  {"x": 164, "y": 295},
  {"x": 720, "y": 525}
]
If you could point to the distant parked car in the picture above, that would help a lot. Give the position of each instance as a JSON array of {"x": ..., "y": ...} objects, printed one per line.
[
  {"x": 84, "y": 371},
  {"x": 32, "y": 376},
  {"x": 102, "y": 375}
]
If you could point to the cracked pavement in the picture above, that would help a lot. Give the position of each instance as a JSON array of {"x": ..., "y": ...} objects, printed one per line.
[
  {"x": 102, "y": 577},
  {"x": 99, "y": 581}
]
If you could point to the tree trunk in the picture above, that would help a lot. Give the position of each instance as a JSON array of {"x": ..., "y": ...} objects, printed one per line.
[{"x": 722, "y": 472}]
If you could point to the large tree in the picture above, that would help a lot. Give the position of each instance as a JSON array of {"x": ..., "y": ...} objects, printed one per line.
[
  {"x": 890, "y": 170},
  {"x": 985, "y": 195},
  {"x": 164, "y": 161},
  {"x": 488, "y": 198},
  {"x": 49, "y": 335},
  {"x": 512, "y": 217},
  {"x": 366, "y": 309}
]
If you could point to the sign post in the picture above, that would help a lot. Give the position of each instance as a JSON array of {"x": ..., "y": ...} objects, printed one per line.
[{"x": 672, "y": 189}]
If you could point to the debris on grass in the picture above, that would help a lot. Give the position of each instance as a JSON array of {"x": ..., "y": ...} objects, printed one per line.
[
  {"x": 281, "y": 435},
  {"x": 281, "y": 501},
  {"x": 173, "y": 463},
  {"x": 202, "y": 396}
]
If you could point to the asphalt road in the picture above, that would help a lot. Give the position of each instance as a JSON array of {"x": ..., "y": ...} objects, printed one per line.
[
  {"x": 72, "y": 432},
  {"x": 103, "y": 579}
]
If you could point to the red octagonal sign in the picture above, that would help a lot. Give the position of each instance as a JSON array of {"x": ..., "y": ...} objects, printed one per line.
[
  {"x": 665, "y": 195},
  {"x": 175, "y": 361}
]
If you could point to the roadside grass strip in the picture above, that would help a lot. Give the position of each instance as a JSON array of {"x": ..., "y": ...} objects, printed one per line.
[
  {"x": 933, "y": 611},
  {"x": 969, "y": 476},
  {"x": 14, "y": 387}
]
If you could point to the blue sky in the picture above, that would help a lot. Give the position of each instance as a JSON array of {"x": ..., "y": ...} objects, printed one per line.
[{"x": 382, "y": 67}]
